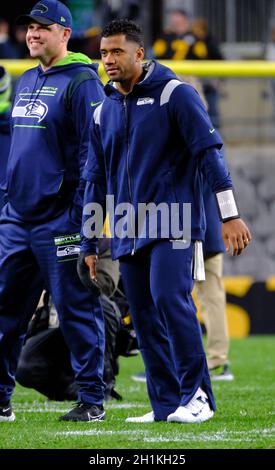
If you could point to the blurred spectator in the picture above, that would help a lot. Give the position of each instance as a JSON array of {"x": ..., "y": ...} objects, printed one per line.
[
  {"x": 183, "y": 41},
  {"x": 176, "y": 41},
  {"x": 270, "y": 55},
  {"x": 21, "y": 46},
  {"x": 87, "y": 41},
  {"x": 7, "y": 46},
  {"x": 5, "y": 107},
  {"x": 121, "y": 8},
  {"x": 207, "y": 48}
]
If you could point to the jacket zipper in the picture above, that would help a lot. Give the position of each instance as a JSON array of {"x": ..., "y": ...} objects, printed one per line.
[{"x": 128, "y": 173}]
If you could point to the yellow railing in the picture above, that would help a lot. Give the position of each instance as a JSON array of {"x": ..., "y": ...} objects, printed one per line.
[{"x": 206, "y": 68}]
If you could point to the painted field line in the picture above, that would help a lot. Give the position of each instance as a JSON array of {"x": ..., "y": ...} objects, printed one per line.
[
  {"x": 120, "y": 406},
  {"x": 149, "y": 437},
  {"x": 225, "y": 436},
  {"x": 95, "y": 432},
  {"x": 195, "y": 439},
  {"x": 48, "y": 408}
]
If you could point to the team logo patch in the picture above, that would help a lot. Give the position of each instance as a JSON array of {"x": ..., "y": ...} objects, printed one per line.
[
  {"x": 30, "y": 109},
  {"x": 67, "y": 246},
  {"x": 142, "y": 101},
  {"x": 67, "y": 250},
  {"x": 40, "y": 8}
]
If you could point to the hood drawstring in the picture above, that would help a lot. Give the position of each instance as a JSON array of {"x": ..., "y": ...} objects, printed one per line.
[{"x": 35, "y": 93}]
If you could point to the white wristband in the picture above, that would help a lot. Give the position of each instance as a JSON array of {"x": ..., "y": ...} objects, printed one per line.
[{"x": 227, "y": 205}]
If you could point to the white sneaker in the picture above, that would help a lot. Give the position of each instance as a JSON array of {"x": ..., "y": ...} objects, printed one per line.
[
  {"x": 196, "y": 411},
  {"x": 148, "y": 418}
]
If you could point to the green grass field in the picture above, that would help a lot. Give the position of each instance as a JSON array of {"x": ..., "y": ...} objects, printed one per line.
[{"x": 245, "y": 417}]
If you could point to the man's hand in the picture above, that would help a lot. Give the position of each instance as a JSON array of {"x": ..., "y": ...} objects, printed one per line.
[
  {"x": 91, "y": 260},
  {"x": 86, "y": 268},
  {"x": 235, "y": 234}
]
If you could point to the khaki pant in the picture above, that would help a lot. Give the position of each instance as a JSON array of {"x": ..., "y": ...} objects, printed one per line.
[{"x": 212, "y": 299}]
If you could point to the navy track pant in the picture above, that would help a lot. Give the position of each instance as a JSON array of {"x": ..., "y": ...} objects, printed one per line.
[
  {"x": 158, "y": 284},
  {"x": 27, "y": 251}
]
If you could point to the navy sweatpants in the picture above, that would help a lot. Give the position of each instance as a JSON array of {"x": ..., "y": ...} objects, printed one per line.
[
  {"x": 158, "y": 284},
  {"x": 26, "y": 249}
]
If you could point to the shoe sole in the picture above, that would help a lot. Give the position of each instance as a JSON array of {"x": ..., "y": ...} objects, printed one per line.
[
  {"x": 7, "y": 419},
  {"x": 225, "y": 378}
]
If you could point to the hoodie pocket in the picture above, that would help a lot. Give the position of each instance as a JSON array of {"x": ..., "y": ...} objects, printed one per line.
[{"x": 29, "y": 190}]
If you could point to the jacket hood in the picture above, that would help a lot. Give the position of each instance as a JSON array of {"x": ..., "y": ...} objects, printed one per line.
[
  {"x": 156, "y": 73},
  {"x": 72, "y": 60}
]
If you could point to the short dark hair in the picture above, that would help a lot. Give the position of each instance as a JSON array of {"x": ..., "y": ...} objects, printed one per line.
[
  {"x": 180, "y": 11},
  {"x": 131, "y": 30}
]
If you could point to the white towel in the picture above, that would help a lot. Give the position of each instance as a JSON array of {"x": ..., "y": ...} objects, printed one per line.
[{"x": 198, "y": 262}]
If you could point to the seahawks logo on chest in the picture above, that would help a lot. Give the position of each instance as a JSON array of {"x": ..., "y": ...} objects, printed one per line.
[
  {"x": 143, "y": 101},
  {"x": 30, "y": 109}
]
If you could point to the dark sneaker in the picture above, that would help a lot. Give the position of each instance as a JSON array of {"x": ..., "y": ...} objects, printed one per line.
[
  {"x": 221, "y": 373},
  {"x": 6, "y": 413},
  {"x": 84, "y": 412}
]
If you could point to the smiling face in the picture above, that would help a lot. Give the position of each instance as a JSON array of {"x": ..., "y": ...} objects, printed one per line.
[
  {"x": 122, "y": 59},
  {"x": 48, "y": 43}
]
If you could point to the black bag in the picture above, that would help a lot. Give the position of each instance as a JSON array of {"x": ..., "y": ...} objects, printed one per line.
[{"x": 45, "y": 365}]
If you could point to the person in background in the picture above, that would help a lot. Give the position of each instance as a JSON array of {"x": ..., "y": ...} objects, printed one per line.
[
  {"x": 211, "y": 292},
  {"x": 40, "y": 225},
  {"x": 177, "y": 40},
  {"x": 152, "y": 140},
  {"x": 22, "y": 50},
  {"x": 7, "y": 46},
  {"x": 186, "y": 40},
  {"x": 270, "y": 55},
  {"x": 206, "y": 47}
]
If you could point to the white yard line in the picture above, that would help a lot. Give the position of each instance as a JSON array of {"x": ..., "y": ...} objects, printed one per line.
[
  {"x": 96, "y": 432},
  {"x": 52, "y": 408},
  {"x": 148, "y": 436}
]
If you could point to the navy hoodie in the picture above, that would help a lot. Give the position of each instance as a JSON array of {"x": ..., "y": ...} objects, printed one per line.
[
  {"x": 51, "y": 115},
  {"x": 5, "y": 138},
  {"x": 154, "y": 145}
]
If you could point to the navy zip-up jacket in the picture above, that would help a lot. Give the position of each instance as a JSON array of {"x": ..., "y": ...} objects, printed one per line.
[
  {"x": 153, "y": 146},
  {"x": 5, "y": 139},
  {"x": 51, "y": 116}
]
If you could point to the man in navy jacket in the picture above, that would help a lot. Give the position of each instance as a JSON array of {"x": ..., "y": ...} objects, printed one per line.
[
  {"x": 151, "y": 143},
  {"x": 40, "y": 224},
  {"x": 5, "y": 131}
]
